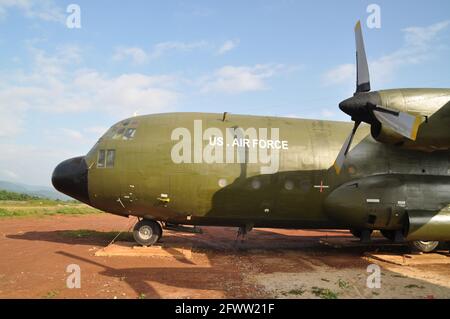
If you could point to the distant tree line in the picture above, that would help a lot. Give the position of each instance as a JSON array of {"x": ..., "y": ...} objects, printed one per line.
[{"x": 5, "y": 195}]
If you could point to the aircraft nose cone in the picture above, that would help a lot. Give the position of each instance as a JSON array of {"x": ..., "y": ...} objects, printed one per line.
[{"x": 71, "y": 178}]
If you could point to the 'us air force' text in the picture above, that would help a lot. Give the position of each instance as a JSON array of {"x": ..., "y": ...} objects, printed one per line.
[{"x": 251, "y": 145}]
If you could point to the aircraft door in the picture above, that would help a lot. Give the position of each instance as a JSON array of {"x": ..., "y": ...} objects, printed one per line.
[
  {"x": 379, "y": 215},
  {"x": 387, "y": 209},
  {"x": 128, "y": 179}
]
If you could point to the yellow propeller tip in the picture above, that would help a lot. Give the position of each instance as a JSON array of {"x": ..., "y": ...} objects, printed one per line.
[
  {"x": 415, "y": 128},
  {"x": 337, "y": 168}
]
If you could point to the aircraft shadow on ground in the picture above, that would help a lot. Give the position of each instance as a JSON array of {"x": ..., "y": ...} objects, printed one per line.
[
  {"x": 94, "y": 237},
  {"x": 146, "y": 280},
  {"x": 138, "y": 278},
  {"x": 257, "y": 239}
]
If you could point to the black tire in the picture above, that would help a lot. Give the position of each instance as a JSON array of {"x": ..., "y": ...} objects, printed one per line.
[
  {"x": 388, "y": 234},
  {"x": 147, "y": 232},
  {"x": 424, "y": 246},
  {"x": 358, "y": 232}
]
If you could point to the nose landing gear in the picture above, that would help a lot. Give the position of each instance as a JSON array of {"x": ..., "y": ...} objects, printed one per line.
[{"x": 147, "y": 232}]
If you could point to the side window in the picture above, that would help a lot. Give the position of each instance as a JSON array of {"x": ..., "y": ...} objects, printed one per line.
[
  {"x": 110, "y": 157},
  {"x": 106, "y": 158},
  {"x": 101, "y": 159}
]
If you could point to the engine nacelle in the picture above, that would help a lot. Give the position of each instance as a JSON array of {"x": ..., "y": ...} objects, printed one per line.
[
  {"x": 385, "y": 135},
  {"x": 427, "y": 140},
  {"x": 415, "y": 204},
  {"x": 431, "y": 104},
  {"x": 369, "y": 203}
]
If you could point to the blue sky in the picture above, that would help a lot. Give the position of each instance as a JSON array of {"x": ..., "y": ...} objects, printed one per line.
[{"x": 61, "y": 88}]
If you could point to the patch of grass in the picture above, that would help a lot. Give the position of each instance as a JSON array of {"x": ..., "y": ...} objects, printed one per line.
[
  {"x": 72, "y": 211},
  {"x": 414, "y": 286},
  {"x": 297, "y": 292},
  {"x": 19, "y": 209},
  {"x": 324, "y": 293},
  {"x": 51, "y": 294},
  {"x": 87, "y": 233},
  {"x": 5, "y": 213},
  {"x": 343, "y": 284},
  {"x": 142, "y": 296}
]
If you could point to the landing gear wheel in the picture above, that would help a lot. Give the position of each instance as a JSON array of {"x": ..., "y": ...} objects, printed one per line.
[
  {"x": 424, "y": 246},
  {"x": 388, "y": 234},
  {"x": 358, "y": 232},
  {"x": 147, "y": 232}
]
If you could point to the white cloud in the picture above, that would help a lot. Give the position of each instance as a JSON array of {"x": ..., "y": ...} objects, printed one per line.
[
  {"x": 123, "y": 95},
  {"x": 327, "y": 113},
  {"x": 238, "y": 79},
  {"x": 417, "y": 48},
  {"x": 419, "y": 36},
  {"x": 8, "y": 174},
  {"x": 10, "y": 119},
  {"x": 164, "y": 47},
  {"x": 228, "y": 46},
  {"x": 137, "y": 55},
  {"x": 341, "y": 74},
  {"x": 141, "y": 56},
  {"x": 45, "y": 10},
  {"x": 96, "y": 130},
  {"x": 56, "y": 84},
  {"x": 75, "y": 141},
  {"x": 33, "y": 162},
  {"x": 72, "y": 134}
]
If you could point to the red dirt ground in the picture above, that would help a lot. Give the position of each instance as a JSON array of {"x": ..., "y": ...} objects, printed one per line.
[{"x": 36, "y": 251}]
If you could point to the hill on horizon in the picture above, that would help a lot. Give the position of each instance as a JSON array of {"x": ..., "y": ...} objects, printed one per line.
[{"x": 33, "y": 190}]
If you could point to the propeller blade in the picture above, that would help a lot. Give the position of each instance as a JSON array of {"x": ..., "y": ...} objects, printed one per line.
[
  {"x": 402, "y": 123},
  {"x": 362, "y": 68},
  {"x": 345, "y": 148}
]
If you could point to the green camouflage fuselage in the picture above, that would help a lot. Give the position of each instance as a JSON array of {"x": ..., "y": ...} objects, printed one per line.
[{"x": 297, "y": 188}]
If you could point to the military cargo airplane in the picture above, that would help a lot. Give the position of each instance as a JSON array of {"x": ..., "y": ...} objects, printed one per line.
[{"x": 392, "y": 173}]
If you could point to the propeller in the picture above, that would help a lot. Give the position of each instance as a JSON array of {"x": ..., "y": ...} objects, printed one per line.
[
  {"x": 345, "y": 148},
  {"x": 362, "y": 85},
  {"x": 362, "y": 68},
  {"x": 364, "y": 107},
  {"x": 402, "y": 123}
]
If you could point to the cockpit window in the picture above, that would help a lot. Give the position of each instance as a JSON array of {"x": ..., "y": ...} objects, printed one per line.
[
  {"x": 125, "y": 130},
  {"x": 106, "y": 158},
  {"x": 101, "y": 159},
  {"x": 110, "y": 157},
  {"x": 129, "y": 134},
  {"x": 119, "y": 133}
]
